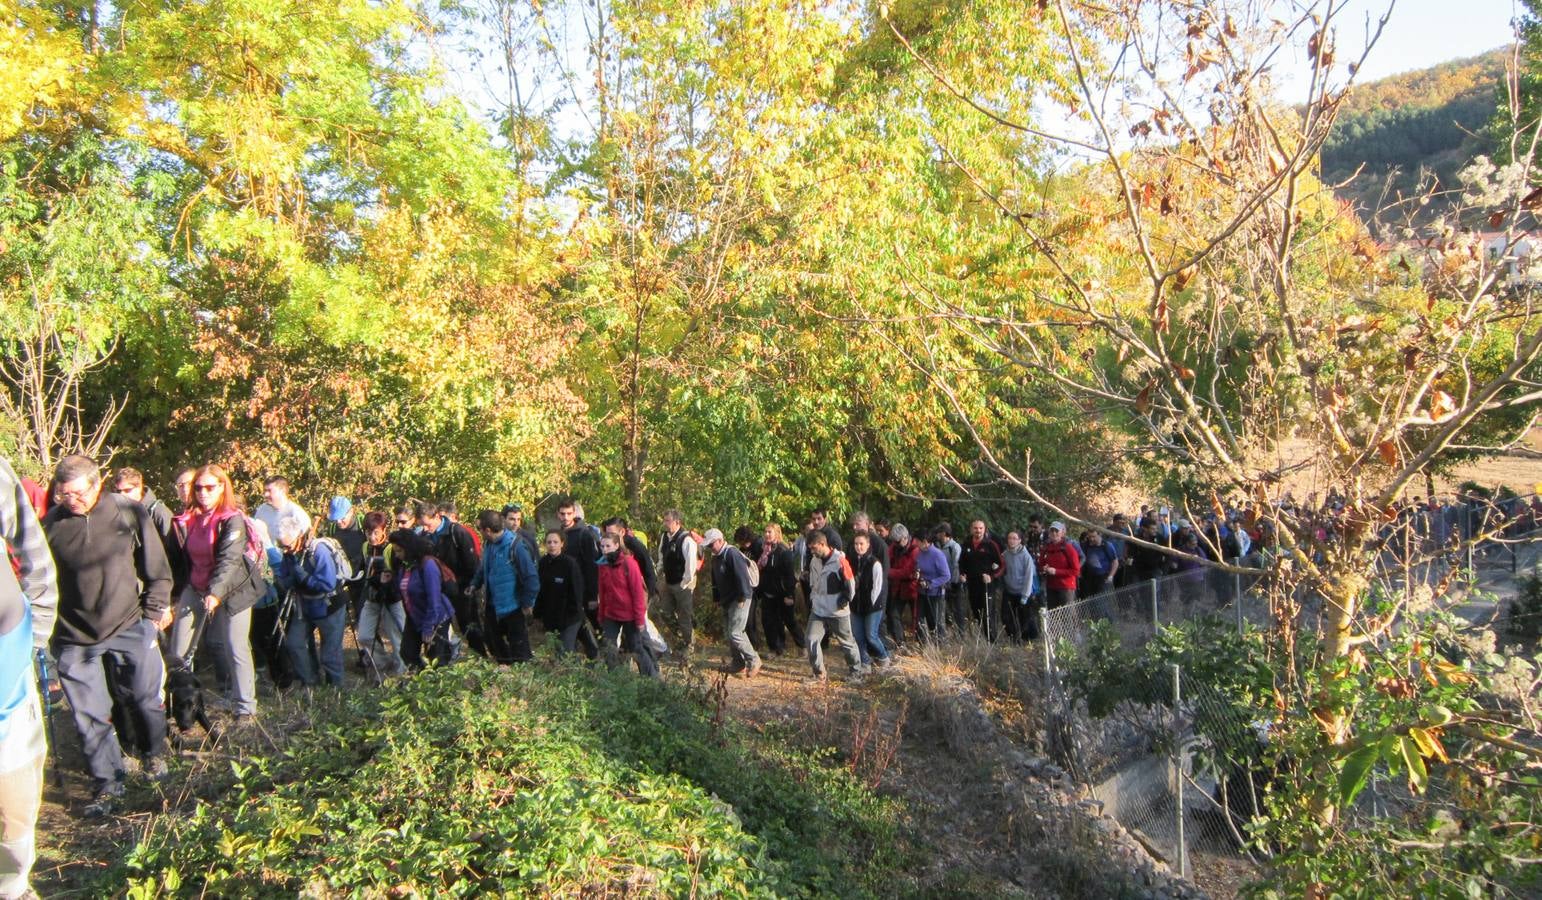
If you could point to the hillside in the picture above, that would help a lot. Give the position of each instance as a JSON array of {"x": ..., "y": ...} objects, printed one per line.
[{"x": 1394, "y": 131}]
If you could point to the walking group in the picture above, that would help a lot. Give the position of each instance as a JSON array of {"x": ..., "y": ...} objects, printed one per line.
[{"x": 130, "y": 602}]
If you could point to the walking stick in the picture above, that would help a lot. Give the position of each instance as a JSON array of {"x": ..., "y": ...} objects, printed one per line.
[{"x": 48, "y": 717}]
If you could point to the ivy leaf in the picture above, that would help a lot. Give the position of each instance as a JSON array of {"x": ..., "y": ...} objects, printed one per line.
[{"x": 1357, "y": 768}]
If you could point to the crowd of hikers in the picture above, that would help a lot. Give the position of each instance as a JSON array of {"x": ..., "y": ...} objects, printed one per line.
[{"x": 129, "y": 598}]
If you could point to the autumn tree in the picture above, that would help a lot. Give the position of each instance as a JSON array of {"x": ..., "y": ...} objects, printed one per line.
[{"x": 1181, "y": 274}]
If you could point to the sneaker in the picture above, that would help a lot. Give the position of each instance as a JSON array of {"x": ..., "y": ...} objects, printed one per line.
[
  {"x": 754, "y": 669},
  {"x": 103, "y": 802},
  {"x": 887, "y": 662},
  {"x": 155, "y": 768}
]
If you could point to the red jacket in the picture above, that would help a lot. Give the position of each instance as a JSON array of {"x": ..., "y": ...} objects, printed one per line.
[
  {"x": 622, "y": 595},
  {"x": 1067, "y": 563},
  {"x": 902, "y": 572}
]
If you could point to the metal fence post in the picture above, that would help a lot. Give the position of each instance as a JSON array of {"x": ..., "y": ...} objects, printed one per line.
[
  {"x": 1049, "y": 661},
  {"x": 1156, "y": 620},
  {"x": 1177, "y": 763},
  {"x": 1236, "y": 592}
]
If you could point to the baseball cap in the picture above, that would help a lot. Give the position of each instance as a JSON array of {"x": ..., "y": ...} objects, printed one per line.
[
  {"x": 339, "y": 509},
  {"x": 712, "y": 536},
  {"x": 1057, "y": 525}
]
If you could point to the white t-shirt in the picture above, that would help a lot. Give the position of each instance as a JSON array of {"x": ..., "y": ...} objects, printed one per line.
[{"x": 270, "y": 516}]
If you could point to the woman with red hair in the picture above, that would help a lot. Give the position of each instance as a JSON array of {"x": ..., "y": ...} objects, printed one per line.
[{"x": 214, "y": 537}]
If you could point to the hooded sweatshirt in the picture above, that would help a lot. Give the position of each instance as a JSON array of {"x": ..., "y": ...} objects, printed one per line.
[
  {"x": 1017, "y": 570},
  {"x": 112, "y": 569},
  {"x": 831, "y": 585}
]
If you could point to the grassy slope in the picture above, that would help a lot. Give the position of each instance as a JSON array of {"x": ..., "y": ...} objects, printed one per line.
[{"x": 553, "y": 781}]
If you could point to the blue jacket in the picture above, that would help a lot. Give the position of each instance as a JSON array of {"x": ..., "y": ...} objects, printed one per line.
[
  {"x": 508, "y": 588},
  {"x": 312, "y": 576}
]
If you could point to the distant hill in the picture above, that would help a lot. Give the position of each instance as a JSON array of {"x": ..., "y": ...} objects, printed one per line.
[{"x": 1431, "y": 121}]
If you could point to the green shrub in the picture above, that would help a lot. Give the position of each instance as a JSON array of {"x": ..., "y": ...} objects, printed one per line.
[
  {"x": 476, "y": 780},
  {"x": 1526, "y": 609}
]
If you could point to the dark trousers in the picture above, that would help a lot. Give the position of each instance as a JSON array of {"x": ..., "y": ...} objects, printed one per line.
[
  {"x": 1013, "y": 613},
  {"x": 894, "y": 618},
  {"x": 576, "y": 633},
  {"x": 958, "y": 615},
  {"x": 268, "y": 645},
  {"x": 779, "y": 617},
  {"x": 932, "y": 614},
  {"x": 300, "y": 642},
  {"x": 418, "y": 653},
  {"x": 980, "y": 603},
  {"x": 469, "y": 623},
  {"x": 136, "y": 656},
  {"x": 508, "y": 640},
  {"x": 632, "y": 639}
]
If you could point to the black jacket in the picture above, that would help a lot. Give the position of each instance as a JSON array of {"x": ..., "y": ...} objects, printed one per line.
[
  {"x": 112, "y": 569},
  {"x": 561, "y": 601},
  {"x": 585, "y": 551},
  {"x": 455, "y": 548},
  {"x": 730, "y": 576},
  {"x": 777, "y": 578}
]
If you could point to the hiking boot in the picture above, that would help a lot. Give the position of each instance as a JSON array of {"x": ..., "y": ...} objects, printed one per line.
[
  {"x": 103, "y": 802},
  {"x": 155, "y": 768},
  {"x": 887, "y": 662}
]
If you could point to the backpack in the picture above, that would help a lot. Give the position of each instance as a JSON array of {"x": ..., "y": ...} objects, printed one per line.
[
  {"x": 701, "y": 558},
  {"x": 339, "y": 558},
  {"x": 754, "y": 572},
  {"x": 256, "y": 554}
]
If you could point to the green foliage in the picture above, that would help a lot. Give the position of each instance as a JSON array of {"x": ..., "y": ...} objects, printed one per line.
[
  {"x": 1525, "y": 615},
  {"x": 473, "y": 780}
]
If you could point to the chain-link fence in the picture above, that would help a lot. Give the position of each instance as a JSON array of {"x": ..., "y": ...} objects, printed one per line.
[{"x": 1170, "y": 754}]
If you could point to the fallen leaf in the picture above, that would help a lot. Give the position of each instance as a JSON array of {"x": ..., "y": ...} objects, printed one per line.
[{"x": 1388, "y": 452}]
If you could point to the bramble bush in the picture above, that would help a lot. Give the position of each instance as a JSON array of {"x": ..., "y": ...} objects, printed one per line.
[{"x": 475, "y": 780}]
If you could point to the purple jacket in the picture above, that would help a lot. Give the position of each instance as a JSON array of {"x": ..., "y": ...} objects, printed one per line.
[
  {"x": 425, "y": 602},
  {"x": 932, "y": 564}
]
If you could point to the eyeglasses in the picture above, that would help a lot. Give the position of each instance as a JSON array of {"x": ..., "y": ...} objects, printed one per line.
[
  {"x": 206, "y": 487},
  {"x": 63, "y": 495}
]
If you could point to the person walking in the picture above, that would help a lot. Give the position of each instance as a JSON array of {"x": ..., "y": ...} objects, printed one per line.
[
  {"x": 509, "y": 579},
  {"x": 933, "y": 576},
  {"x": 114, "y": 594},
  {"x": 980, "y": 563},
  {"x": 624, "y": 606},
  {"x": 903, "y": 592},
  {"x": 831, "y": 588},
  {"x": 1018, "y": 611},
  {"x": 732, "y": 591},
  {"x": 29, "y": 597},
  {"x": 679, "y": 560},
  {"x": 381, "y": 615},
  {"x": 221, "y": 587},
  {"x": 560, "y": 603},
  {"x": 1060, "y": 565},
  {"x": 311, "y": 575},
  {"x": 867, "y": 601},
  {"x": 777, "y": 591},
  {"x": 420, "y": 585}
]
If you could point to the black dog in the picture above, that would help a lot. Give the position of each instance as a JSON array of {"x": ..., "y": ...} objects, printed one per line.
[{"x": 184, "y": 697}]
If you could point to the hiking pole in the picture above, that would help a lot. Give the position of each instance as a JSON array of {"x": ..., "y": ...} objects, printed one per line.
[{"x": 48, "y": 717}]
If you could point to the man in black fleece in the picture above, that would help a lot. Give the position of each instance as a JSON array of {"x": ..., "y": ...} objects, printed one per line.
[{"x": 114, "y": 593}]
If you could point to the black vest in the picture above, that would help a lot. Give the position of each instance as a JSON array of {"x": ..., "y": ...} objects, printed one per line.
[{"x": 673, "y": 553}]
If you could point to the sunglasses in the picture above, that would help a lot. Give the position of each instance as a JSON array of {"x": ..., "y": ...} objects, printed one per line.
[{"x": 206, "y": 487}]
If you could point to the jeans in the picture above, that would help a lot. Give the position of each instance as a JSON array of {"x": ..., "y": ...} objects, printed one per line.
[
  {"x": 632, "y": 639},
  {"x": 22, "y": 755},
  {"x": 82, "y": 672},
  {"x": 736, "y": 617},
  {"x": 869, "y": 641},
  {"x": 228, "y": 638},
  {"x": 297, "y": 640},
  {"x": 840, "y": 631},
  {"x": 376, "y": 620}
]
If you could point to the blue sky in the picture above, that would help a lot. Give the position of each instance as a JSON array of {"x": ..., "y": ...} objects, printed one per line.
[{"x": 1424, "y": 32}]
